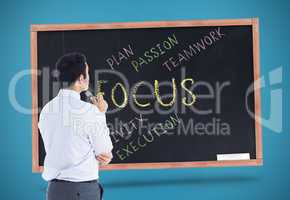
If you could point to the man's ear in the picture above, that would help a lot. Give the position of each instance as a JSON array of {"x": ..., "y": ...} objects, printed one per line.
[{"x": 81, "y": 78}]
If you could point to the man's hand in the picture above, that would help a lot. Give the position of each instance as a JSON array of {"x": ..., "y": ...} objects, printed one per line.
[
  {"x": 105, "y": 158},
  {"x": 100, "y": 102}
]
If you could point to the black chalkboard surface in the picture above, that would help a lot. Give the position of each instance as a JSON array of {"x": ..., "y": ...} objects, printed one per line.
[{"x": 180, "y": 93}]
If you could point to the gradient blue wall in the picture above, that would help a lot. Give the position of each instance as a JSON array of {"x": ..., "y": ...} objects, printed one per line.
[{"x": 267, "y": 182}]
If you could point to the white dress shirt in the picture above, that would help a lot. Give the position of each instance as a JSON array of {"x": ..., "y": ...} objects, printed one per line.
[{"x": 73, "y": 132}]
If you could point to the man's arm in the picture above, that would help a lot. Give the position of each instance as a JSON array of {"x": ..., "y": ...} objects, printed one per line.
[
  {"x": 106, "y": 156},
  {"x": 100, "y": 139},
  {"x": 43, "y": 128}
]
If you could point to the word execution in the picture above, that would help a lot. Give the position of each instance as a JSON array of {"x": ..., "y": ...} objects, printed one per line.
[{"x": 144, "y": 139}]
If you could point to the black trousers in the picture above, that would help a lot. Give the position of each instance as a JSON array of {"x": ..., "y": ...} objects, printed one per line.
[{"x": 66, "y": 190}]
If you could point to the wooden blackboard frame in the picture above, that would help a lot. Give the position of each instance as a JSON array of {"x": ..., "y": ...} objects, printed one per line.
[{"x": 254, "y": 22}]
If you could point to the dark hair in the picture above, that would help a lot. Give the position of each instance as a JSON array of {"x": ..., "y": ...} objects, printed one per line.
[{"x": 69, "y": 67}]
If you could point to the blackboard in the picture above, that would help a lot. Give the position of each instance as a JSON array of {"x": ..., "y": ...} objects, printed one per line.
[{"x": 199, "y": 106}]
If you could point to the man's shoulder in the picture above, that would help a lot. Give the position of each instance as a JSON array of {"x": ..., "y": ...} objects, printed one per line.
[
  {"x": 49, "y": 106},
  {"x": 89, "y": 109},
  {"x": 76, "y": 106}
]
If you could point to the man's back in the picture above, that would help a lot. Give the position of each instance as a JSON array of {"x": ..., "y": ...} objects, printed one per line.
[{"x": 73, "y": 132}]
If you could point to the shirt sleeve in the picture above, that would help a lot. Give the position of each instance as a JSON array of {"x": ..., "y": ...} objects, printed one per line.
[
  {"x": 99, "y": 136},
  {"x": 42, "y": 129}
]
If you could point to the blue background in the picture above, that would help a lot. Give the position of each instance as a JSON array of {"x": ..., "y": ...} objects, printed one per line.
[{"x": 270, "y": 181}]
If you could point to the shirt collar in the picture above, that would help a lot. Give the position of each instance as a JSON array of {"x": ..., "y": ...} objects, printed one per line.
[{"x": 69, "y": 93}]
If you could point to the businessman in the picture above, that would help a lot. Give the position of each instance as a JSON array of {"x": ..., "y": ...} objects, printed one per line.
[{"x": 75, "y": 135}]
